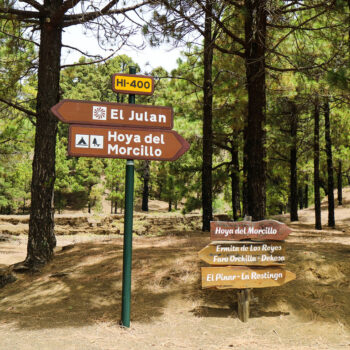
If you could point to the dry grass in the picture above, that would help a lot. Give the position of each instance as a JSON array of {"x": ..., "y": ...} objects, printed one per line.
[{"x": 75, "y": 303}]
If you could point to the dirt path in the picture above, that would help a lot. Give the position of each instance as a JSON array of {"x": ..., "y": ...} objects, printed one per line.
[{"x": 75, "y": 303}]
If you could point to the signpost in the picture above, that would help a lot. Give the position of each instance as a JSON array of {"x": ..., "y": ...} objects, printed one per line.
[
  {"x": 125, "y": 143},
  {"x": 126, "y": 131},
  {"x": 133, "y": 84},
  {"x": 113, "y": 114},
  {"x": 239, "y": 277},
  {"x": 257, "y": 230},
  {"x": 245, "y": 255}
]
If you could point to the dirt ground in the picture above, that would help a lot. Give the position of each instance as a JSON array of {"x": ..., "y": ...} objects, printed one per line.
[{"x": 75, "y": 302}]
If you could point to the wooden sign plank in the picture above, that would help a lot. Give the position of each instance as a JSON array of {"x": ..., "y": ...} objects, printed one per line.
[
  {"x": 254, "y": 230},
  {"x": 240, "y": 277},
  {"x": 113, "y": 114},
  {"x": 247, "y": 253},
  {"x": 133, "y": 84},
  {"x": 125, "y": 143}
]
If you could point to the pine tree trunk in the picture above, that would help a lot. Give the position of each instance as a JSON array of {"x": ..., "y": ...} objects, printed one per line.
[
  {"x": 300, "y": 198},
  {"x": 116, "y": 201},
  {"x": 145, "y": 191},
  {"x": 331, "y": 219},
  {"x": 340, "y": 184},
  {"x": 41, "y": 237},
  {"x": 170, "y": 205},
  {"x": 306, "y": 193},
  {"x": 254, "y": 134},
  {"x": 235, "y": 178},
  {"x": 207, "y": 122},
  {"x": 318, "y": 224},
  {"x": 293, "y": 166}
]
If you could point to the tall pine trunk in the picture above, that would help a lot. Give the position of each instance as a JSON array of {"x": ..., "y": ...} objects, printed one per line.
[
  {"x": 330, "y": 184},
  {"x": 41, "y": 237},
  {"x": 145, "y": 191},
  {"x": 300, "y": 197},
  {"x": 254, "y": 133},
  {"x": 318, "y": 224},
  {"x": 235, "y": 179},
  {"x": 293, "y": 165},
  {"x": 207, "y": 182},
  {"x": 340, "y": 183},
  {"x": 306, "y": 193}
]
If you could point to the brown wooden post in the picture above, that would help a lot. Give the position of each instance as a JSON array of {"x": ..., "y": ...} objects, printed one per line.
[{"x": 244, "y": 296}]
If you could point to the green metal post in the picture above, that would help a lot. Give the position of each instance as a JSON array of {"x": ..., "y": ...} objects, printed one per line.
[{"x": 128, "y": 223}]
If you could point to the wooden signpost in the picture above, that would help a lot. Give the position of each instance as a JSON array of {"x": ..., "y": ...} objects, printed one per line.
[
  {"x": 114, "y": 114},
  {"x": 240, "y": 277},
  {"x": 129, "y": 131},
  {"x": 245, "y": 255},
  {"x": 254, "y": 230},
  {"x": 249, "y": 254},
  {"x": 125, "y": 143}
]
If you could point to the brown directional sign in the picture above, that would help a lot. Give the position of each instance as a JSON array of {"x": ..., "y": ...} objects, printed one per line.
[
  {"x": 132, "y": 84},
  {"x": 113, "y": 114},
  {"x": 255, "y": 230},
  {"x": 125, "y": 143},
  {"x": 244, "y": 277},
  {"x": 244, "y": 253}
]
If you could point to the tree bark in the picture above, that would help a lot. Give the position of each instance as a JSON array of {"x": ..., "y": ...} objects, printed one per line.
[
  {"x": 330, "y": 184},
  {"x": 293, "y": 166},
  {"x": 254, "y": 133},
  {"x": 41, "y": 237},
  {"x": 207, "y": 121},
  {"x": 306, "y": 194},
  {"x": 170, "y": 207},
  {"x": 340, "y": 183},
  {"x": 235, "y": 179},
  {"x": 300, "y": 198},
  {"x": 145, "y": 191},
  {"x": 318, "y": 224}
]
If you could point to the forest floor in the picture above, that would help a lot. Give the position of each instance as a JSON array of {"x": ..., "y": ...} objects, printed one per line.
[{"x": 74, "y": 303}]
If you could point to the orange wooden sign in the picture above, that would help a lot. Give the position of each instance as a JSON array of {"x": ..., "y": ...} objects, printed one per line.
[
  {"x": 113, "y": 114},
  {"x": 247, "y": 253},
  {"x": 254, "y": 230},
  {"x": 125, "y": 143},
  {"x": 240, "y": 277}
]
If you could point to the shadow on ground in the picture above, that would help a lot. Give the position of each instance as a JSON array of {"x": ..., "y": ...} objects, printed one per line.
[{"x": 83, "y": 285}]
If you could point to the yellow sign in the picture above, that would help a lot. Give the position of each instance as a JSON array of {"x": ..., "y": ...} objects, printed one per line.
[{"x": 133, "y": 84}]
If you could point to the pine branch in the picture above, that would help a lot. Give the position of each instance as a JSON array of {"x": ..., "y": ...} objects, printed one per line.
[
  {"x": 34, "y": 4},
  {"x": 19, "y": 14},
  {"x": 80, "y": 51},
  {"x": 221, "y": 25},
  {"x": 20, "y": 108},
  {"x": 89, "y": 63},
  {"x": 221, "y": 165},
  {"x": 80, "y": 18}
]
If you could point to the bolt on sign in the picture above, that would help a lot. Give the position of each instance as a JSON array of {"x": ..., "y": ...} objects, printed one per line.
[
  {"x": 125, "y": 143},
  {"x": 133, "y": 84},
  {"x": 113, "y": 114}
]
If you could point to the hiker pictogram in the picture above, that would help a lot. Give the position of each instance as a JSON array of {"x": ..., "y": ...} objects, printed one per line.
[{"x": 96, "y": 141}]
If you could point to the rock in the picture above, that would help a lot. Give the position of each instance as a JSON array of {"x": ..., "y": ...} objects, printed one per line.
[
  {"x": 6, "y": 276},
  {"x": 67, "y": 247}
]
